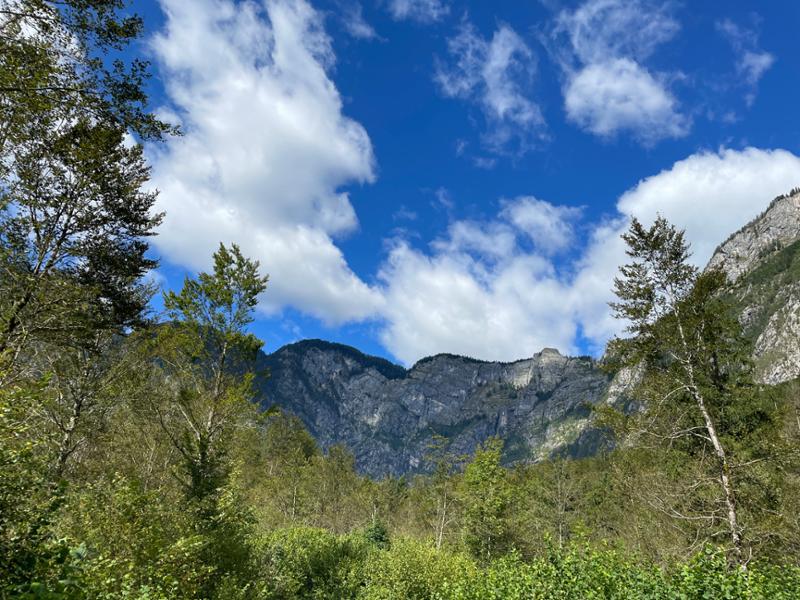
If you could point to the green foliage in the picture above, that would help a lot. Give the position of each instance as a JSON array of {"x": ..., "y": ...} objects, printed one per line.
[
  {"x": 73, "y": 211},
  {"x": 134, "y": 465},
  {"x": 486, "y": 498},
  {"x": 377, "y": 534},
  {"x": 416, "y": 571},
  {"x": 30, "y": 555},
  {"x": 309, "y": 563},
  {"x": 216, "y": 307},
  {"x": 697, "y": 390},
  {"x": 209, "y": 354}
]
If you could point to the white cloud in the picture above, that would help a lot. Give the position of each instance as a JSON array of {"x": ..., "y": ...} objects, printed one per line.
[
  {"x": 709, "y": 194},
  {"x": 619, "y": 95},
  {"x": 549, "y": 227},
  {"x": 602, "y": 47},
  {"x": 751, "y": 61},
  {"x": 352, "y": 17},
  {"x": 265, "y": 151},
  {"x": 451, "y": 302},
  {"x": 494, "y": 73},
  {"x": 481, "y": 291},
  {"x": 599, "y": 30},
  {"x": 422, "y": 11},
  {"x": 712, "y": 194}
]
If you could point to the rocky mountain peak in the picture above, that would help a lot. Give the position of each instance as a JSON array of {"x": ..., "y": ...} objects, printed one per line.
[
  {"x": 777, "y": 227},
  {"x": 762, "y": 261}
]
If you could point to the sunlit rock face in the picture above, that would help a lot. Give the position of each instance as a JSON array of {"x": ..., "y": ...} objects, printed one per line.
[
  {"x": 776, "y": 228},
  {"x": 762, "y": 261},
  {"x": 388, "y": 416}
]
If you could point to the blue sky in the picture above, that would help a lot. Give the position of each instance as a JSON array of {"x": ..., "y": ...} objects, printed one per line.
[{"x": 422, "y": 176}]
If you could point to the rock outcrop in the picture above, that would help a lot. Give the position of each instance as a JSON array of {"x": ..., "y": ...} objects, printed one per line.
[
  {"x": 387, "y": 415},
  {"x": 777, "y": 227},
  {"x": 762, "y": 261}
]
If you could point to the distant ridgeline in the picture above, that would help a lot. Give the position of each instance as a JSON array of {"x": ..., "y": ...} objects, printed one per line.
[{"x": 541, "y": 406}]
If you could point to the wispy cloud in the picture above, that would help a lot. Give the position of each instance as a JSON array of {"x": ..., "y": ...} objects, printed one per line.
[
  {"x": 422, "y": 11},
  {"x": 751, "y": 61},
  {"x": 495, "y": 74},
  {"x": 352, "y": 18}
]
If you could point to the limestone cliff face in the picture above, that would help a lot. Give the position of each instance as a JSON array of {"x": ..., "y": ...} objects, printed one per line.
[
  {"x": 776, "y": 228},
  {"x": 388, "y": 415},
  {"x": 762, "y": 261}
]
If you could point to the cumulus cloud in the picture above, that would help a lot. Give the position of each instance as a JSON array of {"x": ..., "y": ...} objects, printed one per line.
[
  {"x": 495, "y": 74},
  {"x": 602, "y": 47},
  {"x": 549, "y": 227},
  {"x": 619, "y": 95},
  {"x": 265, "y": 152},
  {"x": 422, "y": 11},
  {"x": 452, "y": 302},
  {"x": 712, "y": 194},
  {"x": 480, "y": 290},
  {"x": 483, "y": 291},
  {"x": 751, "y": 61}
]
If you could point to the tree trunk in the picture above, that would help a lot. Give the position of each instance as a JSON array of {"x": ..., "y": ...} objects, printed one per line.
[
  {"x": 724, "y": 475},
  {"x": 11, "y": 324},
  {"x": 66, "y": 447}
]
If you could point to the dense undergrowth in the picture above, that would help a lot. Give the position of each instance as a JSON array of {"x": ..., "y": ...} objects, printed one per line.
[{"x": 310, "y": 563}]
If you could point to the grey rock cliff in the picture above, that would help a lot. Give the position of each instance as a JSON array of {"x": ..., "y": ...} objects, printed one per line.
[
  {"x": 762, "y": 261},
  {"x": 388, "y": 415},
  {"x": 777, "y": 227}
]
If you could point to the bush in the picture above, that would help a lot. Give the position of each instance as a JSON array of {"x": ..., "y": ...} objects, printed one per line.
[
  {"x": 308, "y": 563},
  {"x": 416, "y": 570}
]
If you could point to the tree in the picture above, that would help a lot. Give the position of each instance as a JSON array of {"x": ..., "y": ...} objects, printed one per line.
[
  {"x": 334, "y": 486},
  {"x": 486, "y": 498},
  {"x": 275, "y": 458},
  {"x": 697, "y": 392},
  {"x": 72, "y": 231},
  {"x": 73, "y": 212},
  {"x": 208, "y": 356},
  {"x": 440, "y": 503},
  {"x": 54, "y": 61}
]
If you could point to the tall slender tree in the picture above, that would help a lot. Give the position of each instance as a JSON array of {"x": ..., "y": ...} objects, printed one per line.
[
  {"x": 209, "y": 357},
  {"x": 697, "y": 390}
]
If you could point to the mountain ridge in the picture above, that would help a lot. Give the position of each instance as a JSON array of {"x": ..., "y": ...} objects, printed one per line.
[{"x": 345, "y": 396}]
